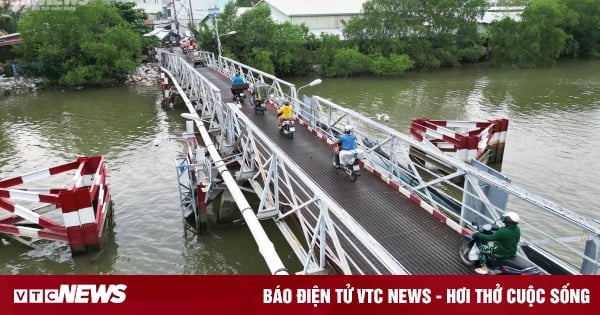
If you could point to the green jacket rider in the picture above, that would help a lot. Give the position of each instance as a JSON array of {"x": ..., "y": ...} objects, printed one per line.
[{"x": 506, "y": 241}]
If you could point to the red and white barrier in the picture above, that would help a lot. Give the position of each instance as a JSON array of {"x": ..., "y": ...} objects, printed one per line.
[
  {"x": 85, "y": 204},
  {"x": 469, "y": 141}
]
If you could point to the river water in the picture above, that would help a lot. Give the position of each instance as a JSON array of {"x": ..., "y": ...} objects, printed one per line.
[{"x": 551, "y": 149}]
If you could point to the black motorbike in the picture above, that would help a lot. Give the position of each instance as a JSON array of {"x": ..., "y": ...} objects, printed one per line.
[
  {"x": 468, "y": 251},
  {"x": 260, "y": 95},
  {"x": 259, "y": 106},
  {"x": 238, "y": 92}
]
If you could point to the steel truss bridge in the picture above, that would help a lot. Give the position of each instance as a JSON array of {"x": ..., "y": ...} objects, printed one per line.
[{"x": 399, "y": 217}]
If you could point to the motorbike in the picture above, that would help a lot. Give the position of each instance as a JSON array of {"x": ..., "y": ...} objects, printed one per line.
[
  {"x": 287, "y": 128},
  {"x": 260, "y": 95},
  {"x": 468, "y": 251},
  {"x": 238, "y": 92},
  {"x": 239, "y": 98},
  {"x": 349, "y": 161},
  {"x": 259, "y": 106}
]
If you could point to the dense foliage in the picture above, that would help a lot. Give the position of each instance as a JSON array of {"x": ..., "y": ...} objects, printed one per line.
[
  {"x": 549, "y": 30},
  {"x": 393, "y": 36},
  {"x": 433, "y": 33},
  {"x": 100, "y": 43},
  {"x": 9, "y": 19},
  {"x": 89, "y": 45}
]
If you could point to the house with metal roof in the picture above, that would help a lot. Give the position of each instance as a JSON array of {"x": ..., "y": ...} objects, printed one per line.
[
  {"x": 326, "y": 16},
  {"x": 320, "y": 16}
]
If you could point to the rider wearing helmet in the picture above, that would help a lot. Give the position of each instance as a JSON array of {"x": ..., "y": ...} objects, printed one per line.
[
  {"x": 345, "y": 143},
  {"x": 285, "y": 112},
  {"x": 504, "y": 241}
]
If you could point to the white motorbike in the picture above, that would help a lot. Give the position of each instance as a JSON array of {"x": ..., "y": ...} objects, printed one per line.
[
  {"x": 349, "y": 161},
  {"x": 287, "y": 128}
]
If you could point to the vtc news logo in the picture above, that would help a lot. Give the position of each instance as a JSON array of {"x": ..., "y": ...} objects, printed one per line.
[{"x": 73, "y": 293}]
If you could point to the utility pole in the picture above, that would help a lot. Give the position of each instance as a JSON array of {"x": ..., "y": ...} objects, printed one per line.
[
  {"x": 215, "y": 12},
  {"x": 175, "y": 16},
  {"x": 192, "y": 17}
]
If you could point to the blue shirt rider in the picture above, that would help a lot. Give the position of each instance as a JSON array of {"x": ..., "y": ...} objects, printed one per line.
[
  {"x": 237, "y": 79},
  {"x": 346, "y": 142}
]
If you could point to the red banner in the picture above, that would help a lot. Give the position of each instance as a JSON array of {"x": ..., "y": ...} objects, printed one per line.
[{"x": 287, "y": 295}]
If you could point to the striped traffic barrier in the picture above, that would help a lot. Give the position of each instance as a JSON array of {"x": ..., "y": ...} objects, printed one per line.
[
  {"x": 85, "y": 205},
  {"x": 471, "y": 143}
]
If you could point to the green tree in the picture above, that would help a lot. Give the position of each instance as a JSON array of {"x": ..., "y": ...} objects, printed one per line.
[
  {"x": 261, "y": 59},
  {"x": 393, "y": 65},
  {"x": 349, "y": 61},
  {"x": 538, "y": 40},
  {"x": 245, "y": 3},
  {"x": 89, "y": 46},
  {"x": 432, "y": 33},
  {"x": 325, "y": 53},
  {"x": 136, "y": 18},
  {"x": 382, "y": 26},
  {"x": 224, "y": 22},
  {"x": 9, "y": 18},
  {"x": 543, "y": 20},
  {"x": 289, "y": 49},
  {"x": 257, "y": 36},
  {"x": 586, "y": 32},
  {"x": 255, "y": 29},
  {"x": 507, "y": 44}
]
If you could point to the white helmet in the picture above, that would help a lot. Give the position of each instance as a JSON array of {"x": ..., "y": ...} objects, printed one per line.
[
  {"x": 348, "y": 128},
  {"x": 512, "y": 217}
]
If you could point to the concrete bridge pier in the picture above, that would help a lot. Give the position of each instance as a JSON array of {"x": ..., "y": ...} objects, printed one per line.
[{"x": 226, "y": 212}]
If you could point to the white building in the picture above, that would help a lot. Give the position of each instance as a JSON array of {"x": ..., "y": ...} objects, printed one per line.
[
  {"x": 151, "y": 7},
  {"x": 319, "y": 16},
  {"x": 177, "y": 14},
  {"x": 326, "y": 16}
]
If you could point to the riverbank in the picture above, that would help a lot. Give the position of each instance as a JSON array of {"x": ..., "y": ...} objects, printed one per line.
[
  {"x": 20, "y": 85},
  {"x": 145, "y": 75}
]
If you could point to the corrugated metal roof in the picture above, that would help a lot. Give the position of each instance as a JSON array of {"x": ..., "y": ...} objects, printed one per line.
[
  {"x": 489, "y": 17},
  {"x": 317, "y": 7}
]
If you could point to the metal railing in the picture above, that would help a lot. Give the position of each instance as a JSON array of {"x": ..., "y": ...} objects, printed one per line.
[
  {"x": 388, "y": 151},
  {"x": 320, "y": 232},
  {"x": 576, "y": 243}
]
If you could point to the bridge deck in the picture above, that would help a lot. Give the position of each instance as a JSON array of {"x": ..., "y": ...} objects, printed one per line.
[{"x": 421, "y": 243}]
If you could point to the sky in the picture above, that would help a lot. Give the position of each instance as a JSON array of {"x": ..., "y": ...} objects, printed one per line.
[{"x": 199, "y": 7}]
